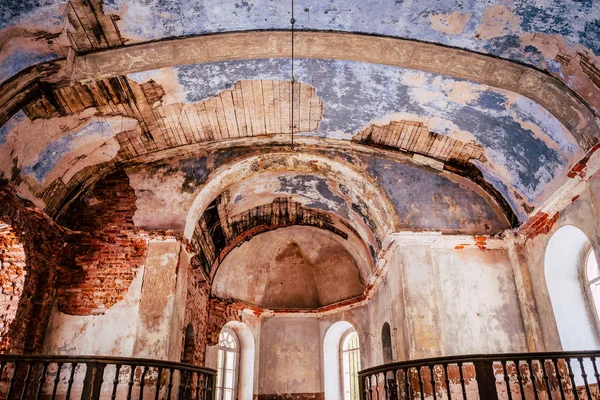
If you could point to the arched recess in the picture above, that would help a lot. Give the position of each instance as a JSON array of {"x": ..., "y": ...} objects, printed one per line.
[
  {"x": 245, "y": 385},
  {"x": 564, "y": 269},
  {"x": 189, "y": 344},
  {"x": 331, "y": 359},
  {"x": 386, "y": 343},
  {"x": 385, "y": 218}
]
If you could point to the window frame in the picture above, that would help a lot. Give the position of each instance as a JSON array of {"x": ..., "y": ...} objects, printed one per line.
[
  {"x": 342, "y": 352},
  {"x": 587, "y": 287},
  {"x": 222, "y": 356}
]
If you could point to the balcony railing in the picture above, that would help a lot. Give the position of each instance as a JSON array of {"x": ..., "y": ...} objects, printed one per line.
[
  {"x": 543, "y": 376},
  {"x": 65, "y": 377}
]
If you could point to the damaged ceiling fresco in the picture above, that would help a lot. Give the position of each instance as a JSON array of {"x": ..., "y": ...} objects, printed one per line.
[{"x": 400, "y": 130}]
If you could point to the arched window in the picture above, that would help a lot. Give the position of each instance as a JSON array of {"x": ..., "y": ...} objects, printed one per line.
[
  {"x": 386, "y": 344},
  {"x": 227, "y": 365},
  {"x": 593, "y": 279},
  {"x": 570, "y": 269},
  {"x": 350, "y": 365}
]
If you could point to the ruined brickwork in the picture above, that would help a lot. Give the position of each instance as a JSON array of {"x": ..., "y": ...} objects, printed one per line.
[
  {"x": 196, "y": 314},
  {"x": 12, "y": 279},
  {"x": 105, "y": 251},
  {"x": 30, "y": 250}
]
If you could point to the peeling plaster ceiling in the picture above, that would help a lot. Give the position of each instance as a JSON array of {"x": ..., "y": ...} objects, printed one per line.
[{"x": 456, "y": 152}]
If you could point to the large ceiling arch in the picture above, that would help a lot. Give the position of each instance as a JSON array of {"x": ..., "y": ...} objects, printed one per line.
[
  {"x": 371, "y": 200},
  {"x": 505, "y": 93}
]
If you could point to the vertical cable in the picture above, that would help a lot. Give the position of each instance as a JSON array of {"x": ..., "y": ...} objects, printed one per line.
[{"x": 293, "y": 79}]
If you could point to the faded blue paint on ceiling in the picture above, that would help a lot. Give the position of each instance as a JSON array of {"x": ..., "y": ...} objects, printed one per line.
[
  {"x": 45, "y": 13},
  {"x": 315, "y": 189},
  {"x": 55, "y": 151},
  {"x": 10, "y": 125},
  {"x": 20, "y": 60},
  {"x": 429, "y": 201},
  {"x": 35, "y": 16},
  {"x": 576, "y": 20},
  {"x": 354, "y": 94}
]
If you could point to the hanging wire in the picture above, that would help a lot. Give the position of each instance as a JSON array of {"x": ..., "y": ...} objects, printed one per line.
[{"x": 293, "y": 79}]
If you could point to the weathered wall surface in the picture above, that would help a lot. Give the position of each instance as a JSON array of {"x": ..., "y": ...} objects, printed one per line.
[
  {"x": 584, "y": 214},
  {"x": 112, "y": 333},
  {"x": 31, "y": 258},
  {"x": 290, "y": 358},
  {"x": 442, "y": 298},
  {"x": 157, "y": 313}
]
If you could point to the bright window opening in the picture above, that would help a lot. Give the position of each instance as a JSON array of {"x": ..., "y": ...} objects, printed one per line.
[
  {"x": 227, "y": 365},
  {"x": 593, "y": 279},
  {"x": 351, "y": 365}
]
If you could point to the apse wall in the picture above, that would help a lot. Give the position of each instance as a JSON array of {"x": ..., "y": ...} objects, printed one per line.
[{"x": 439, "y": 296}]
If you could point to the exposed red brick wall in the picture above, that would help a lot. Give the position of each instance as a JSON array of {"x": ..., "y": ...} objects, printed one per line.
[
  {"x": 12, "y": 280},
  {"x": 220, "y": 312},
  {"x": 33, "y": 246},
  {"x": 196, "y": 314},
  {"x": 101, "y": 259},
  {"x": 540, "y": 223}
]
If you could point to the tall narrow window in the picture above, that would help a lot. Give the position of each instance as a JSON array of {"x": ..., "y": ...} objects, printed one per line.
[
  {"x": 227, "y": 365},
  {"x": 350, "y": 365},
  {"x": 593, "y": 279},
  {"x": 386, "y": 343}
]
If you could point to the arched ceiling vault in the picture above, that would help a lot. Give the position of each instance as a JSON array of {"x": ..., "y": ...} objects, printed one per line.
[{"x": 493, "y": 103}]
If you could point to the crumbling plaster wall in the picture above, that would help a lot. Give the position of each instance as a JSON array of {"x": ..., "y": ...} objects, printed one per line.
[
  {"x": 441, "y": 297},
  {"x": 584, "y": 214},
  {"x": 146, "y": 323}
]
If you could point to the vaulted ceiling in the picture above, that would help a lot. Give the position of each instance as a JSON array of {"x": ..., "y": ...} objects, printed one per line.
[{"x": 458, "y": 116}]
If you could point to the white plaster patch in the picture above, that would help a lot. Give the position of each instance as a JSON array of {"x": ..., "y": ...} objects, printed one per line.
[
  {"x": 160, "y": 201},
  {"x": 75, "y": 335}
]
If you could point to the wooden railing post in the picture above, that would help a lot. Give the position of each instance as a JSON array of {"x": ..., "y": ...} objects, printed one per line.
[
  {"x": 361, "y": 387},
  {"x": 486, "y": 380},
  {"x": 92, "y": 384}
]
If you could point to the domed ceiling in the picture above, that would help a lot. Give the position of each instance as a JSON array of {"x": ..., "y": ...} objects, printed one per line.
[{"x": 464, "y": 117}]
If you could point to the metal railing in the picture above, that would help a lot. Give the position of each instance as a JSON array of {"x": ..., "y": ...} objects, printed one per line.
[
  {"x": 81, "y": 377},
  {"x": 535, "y": 376}
]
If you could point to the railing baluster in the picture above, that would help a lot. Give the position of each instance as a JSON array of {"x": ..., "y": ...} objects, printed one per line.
[
  {"x": 13, "y": 379},
  {"x": 142, "y": 382},
  {"x": 543, "y": 363},
  {"x": 376, "y": 386},
  {"x": 532, "y": 377},
  {"x": 559, "y": 378},
  {"x": 486, "y": 380},
  {"x": 421, "y": 383},
  {"x": 407, "y": 383},
  {"x": 41, "y": 380},
  {"x": 584, "y": 376},
  {"x": 158, "y": 378},
  {"x": 71, "y": 380},
  {"x": 593, "y": 360},
  {"x": 507, "y": 379},
  {"x": 462, "y": 380},
  {"x": 170, "y": 383},
  {"x": 520, "y": 379},
  {"x": 113, "y": 395},
  {"x": 572, "y": 376},
  {"x": 198, "y": 386},
  {"x": 27, "y": 379},
  {"x": 432, "y": 373},
  {"x": 448, "y": 391},
  {"x": 56, "y": 380},
  {"x": 130, "y": 383}
]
